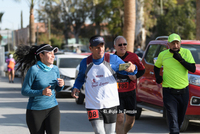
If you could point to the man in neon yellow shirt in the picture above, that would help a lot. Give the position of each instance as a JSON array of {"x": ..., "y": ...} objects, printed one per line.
[{"x": 176, "y": 62}]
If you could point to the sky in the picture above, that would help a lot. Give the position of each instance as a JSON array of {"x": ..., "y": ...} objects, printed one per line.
[{"x": 12, "y": 14}]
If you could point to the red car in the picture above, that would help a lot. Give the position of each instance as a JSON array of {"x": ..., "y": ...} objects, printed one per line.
[{"x": 149, "y": 93}]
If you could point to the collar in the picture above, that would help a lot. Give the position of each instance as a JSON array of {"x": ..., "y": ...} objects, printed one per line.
[
  {"x": 123, "y": 57},
  {"x": 44, "y": 67}
]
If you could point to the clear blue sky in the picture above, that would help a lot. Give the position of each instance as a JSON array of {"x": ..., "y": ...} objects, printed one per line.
[{"x": 12, "y": 14}]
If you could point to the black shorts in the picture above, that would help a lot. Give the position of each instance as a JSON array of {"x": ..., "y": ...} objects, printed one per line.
[
  {"x": 127, "y": 103},
  {"x": 109, "y": 115}
]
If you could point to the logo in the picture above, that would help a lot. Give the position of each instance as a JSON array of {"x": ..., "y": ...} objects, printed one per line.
[
  {"x": 98, "y": 39},
  {"x": 99, "y": 76},
  {"x": 94, "y": 83}
]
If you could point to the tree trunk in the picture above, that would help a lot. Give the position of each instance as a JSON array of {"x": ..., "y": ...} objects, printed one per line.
[
  {"x": 198, "y": 19},
  {"x": 31, "y": 27},
  {"x": 21, "y": 19},
  {"x": 98, "y": 28},
  {"x": 77, "y": 38},
  {"x": 66, "y": 32},
  {"x": 140, "y": 32},
  {"x": 129, "y": 23},
  {"x": 1, "y": 14}
]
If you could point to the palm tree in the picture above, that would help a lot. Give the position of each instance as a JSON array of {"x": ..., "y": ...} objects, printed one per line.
[
  {"x": 31, "y": 24},
  {"x": 31, "y": 18},
  {"x": 1, "y": 14},
  {"x": 129, "y": 23},
  {"x": 31, "y": 21},
  {"x": 198, "y": 19}
]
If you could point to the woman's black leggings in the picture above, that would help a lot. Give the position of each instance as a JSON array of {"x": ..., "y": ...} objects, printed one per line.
[{"x": 39, "y": 121}]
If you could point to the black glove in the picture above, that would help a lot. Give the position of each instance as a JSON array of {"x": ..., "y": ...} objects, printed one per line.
[
  {"x": 178, "y": 57},
  {"x": 159, "y": 79}
]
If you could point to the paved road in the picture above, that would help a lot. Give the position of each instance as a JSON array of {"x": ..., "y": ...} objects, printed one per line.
[{"x": 73, "y": 117}]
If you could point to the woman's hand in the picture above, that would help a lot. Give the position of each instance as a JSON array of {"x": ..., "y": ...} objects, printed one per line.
[
  {"x": 47, "y": 91},
  {"x": 60, "y": 82}
]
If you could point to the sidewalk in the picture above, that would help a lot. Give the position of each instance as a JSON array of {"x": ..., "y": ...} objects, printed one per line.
[
  {"x": 4, "y": 83},
  {"x": 12, "y": 107}
]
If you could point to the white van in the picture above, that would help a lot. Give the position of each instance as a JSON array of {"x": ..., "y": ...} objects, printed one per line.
[{"x": 67, "y": 64}]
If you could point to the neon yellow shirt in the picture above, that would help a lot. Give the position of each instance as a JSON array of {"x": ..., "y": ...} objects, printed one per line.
[{"x": 175, "y": 75}]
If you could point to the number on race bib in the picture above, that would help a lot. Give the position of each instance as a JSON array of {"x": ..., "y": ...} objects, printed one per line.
[
  {"x": 93, "y": 114},
  {"x": 123, "y": 85}
]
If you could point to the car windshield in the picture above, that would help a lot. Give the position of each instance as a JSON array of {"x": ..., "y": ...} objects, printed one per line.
[
  {"x": 195, "y": 50},
  {"x": 69, "y": 62}
]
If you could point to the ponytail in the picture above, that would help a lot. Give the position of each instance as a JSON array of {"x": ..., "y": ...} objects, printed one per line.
[{"x": 26, "y": 56}]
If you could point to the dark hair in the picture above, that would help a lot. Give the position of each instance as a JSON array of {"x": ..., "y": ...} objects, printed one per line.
[{"x": 26, "y": 56}]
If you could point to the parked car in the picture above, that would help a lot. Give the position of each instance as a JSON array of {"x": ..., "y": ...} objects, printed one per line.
[
  {"x": 149, "y": 93},
  {"x": 67, "y": 64}
]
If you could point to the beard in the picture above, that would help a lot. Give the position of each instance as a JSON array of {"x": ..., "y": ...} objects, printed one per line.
[{"x": 173, "y": 51}]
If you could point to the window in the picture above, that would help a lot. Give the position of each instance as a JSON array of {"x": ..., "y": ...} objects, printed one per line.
[
  {"x": 69, "y": 62},
  {"x": 195, "y": 50},
  {"x": 162, "y": 48},
  {"x": 151, "y": 53}
]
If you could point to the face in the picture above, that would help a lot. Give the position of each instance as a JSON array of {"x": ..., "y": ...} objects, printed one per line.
[
  {"x": 97, "y": 51},
  {"x": 175, "y": 45},
  {"x": 120, "y": 46},
  {"x": 47, "y": 58}
]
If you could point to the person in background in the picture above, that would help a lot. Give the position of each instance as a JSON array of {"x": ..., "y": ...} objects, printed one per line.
[
  {"x": 107, "y": 49},
  {"x": 126, "y": 87},
  {"x": 176, "y": 62},
  {"x": 139, "y": 51},
  {"x": 41, "y": 79},
  {"x": 101, "y": 96},
  {"x": 78, "y": 49},
  {"x": 11, "y": 68}
]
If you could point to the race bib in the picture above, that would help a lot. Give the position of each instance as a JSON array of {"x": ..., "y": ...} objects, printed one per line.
[
  {"x": 122, "y": 84},
  {"x": 93, "y": 114}
]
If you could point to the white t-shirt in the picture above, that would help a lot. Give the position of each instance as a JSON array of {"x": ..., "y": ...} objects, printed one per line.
[{"x": 100, "y": 88}]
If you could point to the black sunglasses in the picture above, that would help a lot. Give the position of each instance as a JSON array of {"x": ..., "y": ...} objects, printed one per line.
[{"x": 124, "y": 44}]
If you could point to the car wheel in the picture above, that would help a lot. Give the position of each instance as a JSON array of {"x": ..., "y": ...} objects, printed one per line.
[
  {"x": 184, "y": 125},
  {"x": 138, "y": 114},
  {"x": 80, "y": 98}
]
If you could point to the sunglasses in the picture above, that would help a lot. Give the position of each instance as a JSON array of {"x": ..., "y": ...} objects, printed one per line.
[{"x": 124, "y": 44}]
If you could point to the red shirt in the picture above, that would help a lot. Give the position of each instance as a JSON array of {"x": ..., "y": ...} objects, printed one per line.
[{"x": 129, "y": 85}]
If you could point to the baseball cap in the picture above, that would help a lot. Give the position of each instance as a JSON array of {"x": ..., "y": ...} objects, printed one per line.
[
  {"x": 96, "y": 41},
  {"x": 173, "y": 37},
  {"x": 46, "y": 48}
]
